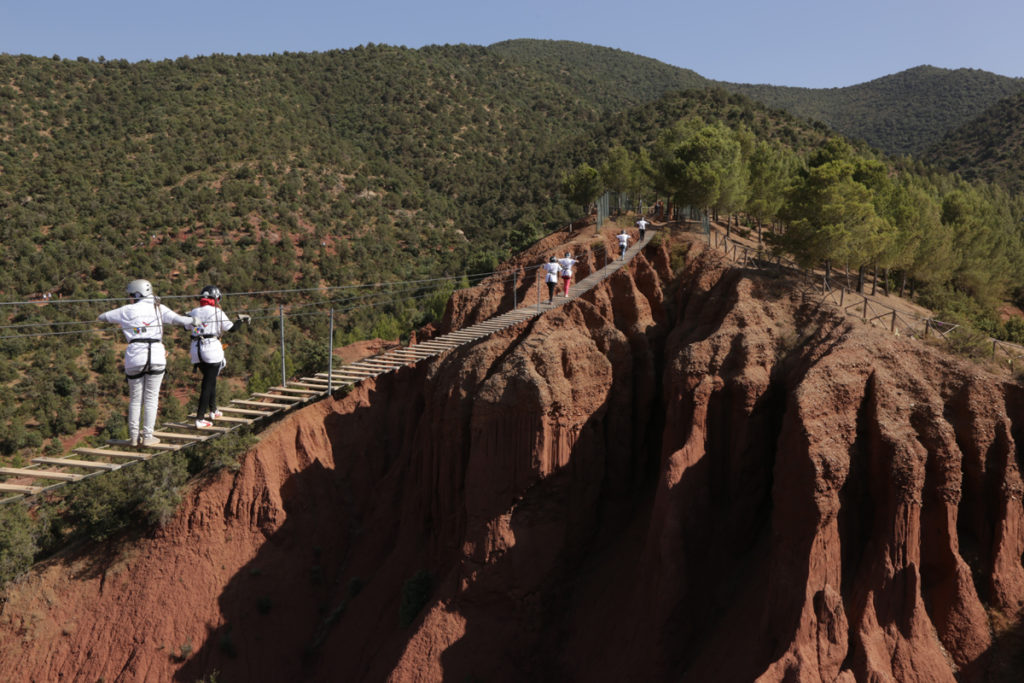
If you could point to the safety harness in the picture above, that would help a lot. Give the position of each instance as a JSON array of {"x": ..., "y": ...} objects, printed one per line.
[
  {"x": 147, "y": 368},
  {"x": 198, "y": 337}
]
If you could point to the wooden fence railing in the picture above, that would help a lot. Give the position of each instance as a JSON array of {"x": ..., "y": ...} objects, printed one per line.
[{"x": 853, "y": 303}]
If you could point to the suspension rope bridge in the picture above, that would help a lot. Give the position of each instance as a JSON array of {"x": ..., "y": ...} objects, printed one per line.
[{"x": 45, "y": 474}]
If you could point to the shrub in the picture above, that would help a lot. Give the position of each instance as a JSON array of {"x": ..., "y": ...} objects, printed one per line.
[
  {"x": 146, "y": 492},
  {"x": 678, "y": 256},
  {"x": 17, "y": 542},
  {"x": 969, "y": 342}
]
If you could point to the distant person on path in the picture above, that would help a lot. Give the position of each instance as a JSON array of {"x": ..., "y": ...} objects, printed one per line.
[
  {"x": 145, "y": 358},
  {"x": 551, "y": 279},
  {"x": 623, "y": 239},
  {"x": 641, "y": 225},
  {"x": 209, "y": 324},
  {"x": 566, "y": 265}
]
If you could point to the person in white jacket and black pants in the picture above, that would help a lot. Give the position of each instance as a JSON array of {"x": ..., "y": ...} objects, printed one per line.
[
  {"x": 552, "y": 269},
  {"x": 145, "y": 359},
  {"x": 209, "y": 324}
]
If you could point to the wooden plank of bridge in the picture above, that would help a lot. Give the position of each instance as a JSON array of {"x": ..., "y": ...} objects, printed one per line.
[
  {"x": 295, "y": 391},
  {"x": 85, "y": 464},
  {"x": 111, "y": 453},
  {"x": 357, "y": 373},
  {"x": 383, "y": 365},
  {"x": 365, "y": 370},
  {"x": 461, "y": 338},
  {"x": 40, "y": 474},
  {"x": 458, "y": 334},
  {"x": 156, "y": 446},
  {"x": 270, "y": 408},
  {"x": 20, "y": 488},
  {"x": 412, "y": 355},
  {"x": 222, "y": 418},
  {"x": 305, "y": 384},
  {"x": 385, "y": 359},
  {"x": 347, "y": 379},
  {"x": 279, "y": 397},
  {"x": 175, "y": 435},
  {"x": 205, "y": 429},
  {"x": 246, "y": 411}
]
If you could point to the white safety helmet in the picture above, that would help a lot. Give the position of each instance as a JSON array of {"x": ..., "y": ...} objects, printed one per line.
[{"x": 139, "y": 289}]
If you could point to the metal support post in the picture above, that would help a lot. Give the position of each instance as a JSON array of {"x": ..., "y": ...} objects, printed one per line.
[
  {"x": 330, "y": 356},
  {"x": 284, "y": 376}
]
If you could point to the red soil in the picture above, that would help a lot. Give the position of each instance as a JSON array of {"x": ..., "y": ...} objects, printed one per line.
[{"x": 696, "y": 478}]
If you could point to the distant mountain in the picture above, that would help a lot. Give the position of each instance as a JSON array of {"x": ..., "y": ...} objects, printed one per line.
[
  {"x": 990, "y": 147},
  {"x": 904, "y": 113},
  {"x": 606, "y": 78}
]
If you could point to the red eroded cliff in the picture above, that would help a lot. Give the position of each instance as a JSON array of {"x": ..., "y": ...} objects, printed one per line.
[{"x": 700, "y": 476}]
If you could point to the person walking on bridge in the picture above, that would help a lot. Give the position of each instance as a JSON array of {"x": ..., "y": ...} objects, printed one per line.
[
  {"x": 566, "y": 265},
  {"x": 145, "y": 358},
  {"x": 623, "y": 243},
  {"x": 209, "y": 324},
  {"x": 552, "y": 269},
  {"x": 641, "y": 225}
]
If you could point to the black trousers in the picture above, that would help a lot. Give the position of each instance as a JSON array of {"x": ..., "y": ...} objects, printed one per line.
[{"x": 208, "y": 389}]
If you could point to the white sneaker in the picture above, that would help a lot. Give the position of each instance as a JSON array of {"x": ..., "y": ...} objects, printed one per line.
[
  {"x": 202, "y": 424},
  {"x": 215, "y": 415},
  {"x": 149, "y": 441}
]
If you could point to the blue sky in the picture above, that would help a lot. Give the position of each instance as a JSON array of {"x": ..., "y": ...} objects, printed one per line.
[{"x": 807, "y": 43}]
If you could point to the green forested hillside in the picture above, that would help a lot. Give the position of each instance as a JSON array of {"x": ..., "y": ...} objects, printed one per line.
[
  {"x": 990, "y": 147},
  {"x": 607, "y": 79},
  {"x": 335, "y": 149},
  {"x": 904, "y": 113}
]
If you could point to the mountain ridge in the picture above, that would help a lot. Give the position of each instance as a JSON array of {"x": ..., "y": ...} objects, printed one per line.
[{"x": 900, "y": 113}]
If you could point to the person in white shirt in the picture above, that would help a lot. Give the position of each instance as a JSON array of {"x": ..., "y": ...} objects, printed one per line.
[
  {"x": 623, "y": 243},
  {"x": 552, "y": 269},
  {"x": 209, "y": 324},
  {"x": 641, "y": 225},
  {"x": 566, "y": 265},
  {"x": 145, "y": 359}
]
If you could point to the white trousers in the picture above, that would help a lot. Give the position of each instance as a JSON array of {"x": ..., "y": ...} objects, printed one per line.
[{"x": 143, "y": 398}]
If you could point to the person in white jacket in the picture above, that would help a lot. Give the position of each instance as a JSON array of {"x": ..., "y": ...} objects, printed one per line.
[
  {"x": 566, "y": 265},
  {"x": 623, "y": 239},
  {"x": 209, "y": 324},
  {"x": 552, "y": 269},
  {"x": 145, "y": 358}
]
